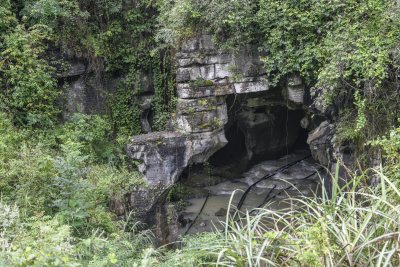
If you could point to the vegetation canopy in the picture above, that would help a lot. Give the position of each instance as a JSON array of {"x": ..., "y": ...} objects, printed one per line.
[{"x": 60, "y": 172}]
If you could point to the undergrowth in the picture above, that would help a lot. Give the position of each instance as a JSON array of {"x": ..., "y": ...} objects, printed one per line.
[
  {"x": 354, "y": 225},
  {"x": 56, "y": 187}
]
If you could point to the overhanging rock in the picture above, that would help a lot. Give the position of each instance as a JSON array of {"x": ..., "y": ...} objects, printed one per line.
[
  {"x": 205, "y": 76},
  {"x": 164, "y": 155}
]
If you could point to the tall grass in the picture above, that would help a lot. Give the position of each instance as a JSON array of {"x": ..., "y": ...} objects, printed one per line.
[{"x": 353, "y": 226}]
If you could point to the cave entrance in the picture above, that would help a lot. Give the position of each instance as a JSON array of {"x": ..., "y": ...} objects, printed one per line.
[
  {"x": 267, "y": 156},
  {"x": 258, "y": 131},
  {"x": 234, "y": 152}
]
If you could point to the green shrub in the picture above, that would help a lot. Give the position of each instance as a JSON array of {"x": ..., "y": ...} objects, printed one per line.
[
  {"x": 232, "y": 23},
  {"x": 54, "y": 13},
  {"x": 125, "y": 110},
  {"x": 29, "y": 88},
  {"x": 83, "y": 190},
  {"x": 39, "y": 242},
  {"x": 26, "y": 173},
  {"x": 389, "y": 146},
  {"x": 45, "y": 241},
  {"x": 7, "y": 17},
  {"x": 66, "y": 183},
  {"x": 54, "y": 199},
  {"x": 92, "y": 132}
]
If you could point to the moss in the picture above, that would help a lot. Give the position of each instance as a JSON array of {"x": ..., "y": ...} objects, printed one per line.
[
  {"x": 205, "y": 125},
  {"x": 201, "y": 82},
  {"x": 203, "y": 102},
  {"x": 191, "y": 111},
  {"x": 208, "y": 83}
]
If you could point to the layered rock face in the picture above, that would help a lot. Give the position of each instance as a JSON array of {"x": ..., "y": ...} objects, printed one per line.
[
  {"x": 226, "y": 111},
  {"x": 205, "y": 76}
]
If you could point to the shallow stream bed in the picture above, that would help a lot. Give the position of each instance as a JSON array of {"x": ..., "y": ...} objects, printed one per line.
[{"x": 298, "y": 175}]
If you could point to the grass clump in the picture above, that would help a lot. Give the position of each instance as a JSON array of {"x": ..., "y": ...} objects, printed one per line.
[{"x": 353, "y": 226}]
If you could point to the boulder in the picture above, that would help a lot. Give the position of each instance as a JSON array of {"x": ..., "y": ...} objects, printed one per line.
[
  {"x": 320, "y": 142},
  {"x": 163, "y": 156}
]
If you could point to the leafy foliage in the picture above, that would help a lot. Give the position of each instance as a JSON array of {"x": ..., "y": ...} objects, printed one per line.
[
  {"x": 54, "y": 206},
  {"x": 389, "y": 146},
  {"x": 117, "y": 39},
  {"x": 91, "y": 133},
  {"x": 232, "y": 23},
  {"x": 62, "y": 176},
  {"x": 346, "y": 51},
  {"x": 45, "y": 241},
  {"x": 57, "y": 178},
  {"x": 41, "y": 179},
  {"x": 7, "y": 17},
  {"x": 29, "y": 88}
]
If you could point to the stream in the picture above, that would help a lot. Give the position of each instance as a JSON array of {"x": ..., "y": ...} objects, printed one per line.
[{"x": 300, "y": 178}]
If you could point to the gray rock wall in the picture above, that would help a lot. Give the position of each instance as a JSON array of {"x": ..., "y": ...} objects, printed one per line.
[
  {"x": 205, "y": 76},
  {"x": 84, "y": 89}
]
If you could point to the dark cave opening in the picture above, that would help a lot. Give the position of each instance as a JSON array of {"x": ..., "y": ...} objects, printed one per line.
[
  {"x": 234, "y": 151},
  {"x": 259, "y": 132},
  {"x": 256, "y": 131},
  {"x": 263, "y": 137}
]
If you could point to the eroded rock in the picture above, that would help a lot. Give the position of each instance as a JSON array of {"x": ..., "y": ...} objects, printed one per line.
[
  {"x": 206, "y": 77},
  {"x": 164, "y": 155},
  {"x": 319, "y": 141}
]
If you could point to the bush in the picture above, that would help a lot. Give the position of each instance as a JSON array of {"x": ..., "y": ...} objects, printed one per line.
[
  {"x": 54, "y": 198},
  {"x": 389, "y": 146},
  {"x": 67, "y": 182},
  {"x": 92, "y": 133},
  {"x": 45, "y": 241},
  {"x": 7, "y": 17},
  {"x": 38, "y": 242},
  {"x": 232, "y": 23},
  {"x": 29, "y": 86}
]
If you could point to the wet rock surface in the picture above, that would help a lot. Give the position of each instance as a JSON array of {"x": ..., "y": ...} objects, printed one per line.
[
  {"x": 227, "y": 113},
  {"x": 301, "y": 179}
]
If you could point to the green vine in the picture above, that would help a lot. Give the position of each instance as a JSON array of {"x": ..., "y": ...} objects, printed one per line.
[
  {"x": 164, "y": 96},
  {"x": 124, "y": 109}
]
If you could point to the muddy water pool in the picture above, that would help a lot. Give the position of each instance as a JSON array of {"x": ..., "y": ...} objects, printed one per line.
[{"x": 301, "y": 178}]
